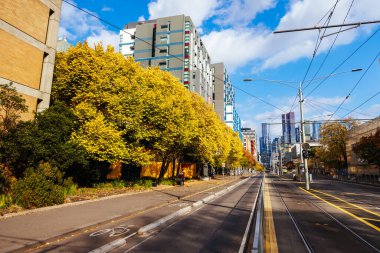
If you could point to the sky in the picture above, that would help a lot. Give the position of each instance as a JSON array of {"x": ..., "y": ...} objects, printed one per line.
[{"x": 240, "y": 34}]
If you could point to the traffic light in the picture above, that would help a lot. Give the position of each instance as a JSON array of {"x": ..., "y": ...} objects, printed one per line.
[{"x": 306, "y": 154}]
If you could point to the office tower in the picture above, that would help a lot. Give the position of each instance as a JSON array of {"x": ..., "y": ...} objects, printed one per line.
[
  {"x": 29, "y": 33},
  {"x": 298, "y": 134},
  {"x": 173, "y": 44},
  {"x": 288, "y": 128},
  {"x": 316, "y": 130},
  {"x": 307, "y": 132}
]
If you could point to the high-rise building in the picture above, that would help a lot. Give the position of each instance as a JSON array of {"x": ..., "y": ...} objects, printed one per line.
[
  {"x": 298, "y": 137},
  {"x": 266, "y": 144},
  {"x": 288, "y": 128},
  {"x": 316, "y": 131},
  {"x": 307, "y": 132},
  {"x": 224, "y": 98},
  {"x": 174, "y": 45},
  {"x": 29, "y": 33}
]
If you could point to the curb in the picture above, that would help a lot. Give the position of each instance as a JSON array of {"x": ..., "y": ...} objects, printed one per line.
[{"x": 145, "y": 229}]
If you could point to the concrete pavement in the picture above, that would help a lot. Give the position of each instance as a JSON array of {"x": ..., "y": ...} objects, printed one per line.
[{"x": 34, "y": 228}]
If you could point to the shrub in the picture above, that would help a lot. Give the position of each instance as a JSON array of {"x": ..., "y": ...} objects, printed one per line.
[
  {"x": 70, "y": 188},
  {"x": 5, "y": 200},
  {"x": 146, "y": 183},
  {"x": 167, "y": 181},
  {"x": 118, "y": 184},
  {"x": 39, "y": 187}
]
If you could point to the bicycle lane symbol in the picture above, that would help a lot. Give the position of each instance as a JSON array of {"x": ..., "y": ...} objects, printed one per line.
[{"x": 112, "y": 232}]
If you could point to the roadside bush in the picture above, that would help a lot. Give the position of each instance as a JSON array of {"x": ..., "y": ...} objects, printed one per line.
[
  {"x": 5, "y": 180},
  {"x": 70, "y": 188},
  {"x": 167, "y": 181},
  {"x": 5, "y": 200},
  {"x": 39, "y": 187},
  {"x": 146, "y": 183}
]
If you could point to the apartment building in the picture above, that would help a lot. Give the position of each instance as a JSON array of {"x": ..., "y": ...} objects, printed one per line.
[
  {"x": 173, "y": 44},
  {"x": 224, "y": 98},
  {"x": 29, "y": 32},
  {"x": 250, "y": 141}
]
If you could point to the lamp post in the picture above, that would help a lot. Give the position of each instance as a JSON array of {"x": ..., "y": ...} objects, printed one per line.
[{"x": 300, "y": 94}]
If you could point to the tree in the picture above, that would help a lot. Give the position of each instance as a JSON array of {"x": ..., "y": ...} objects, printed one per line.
[
  {"x": 368, "y": 149},
  {"x": 48, "y": 138},
  {"x": 247, "y": 160},
  {"x": 12, "y": 105},
  {"x": 333, "y": 137}
]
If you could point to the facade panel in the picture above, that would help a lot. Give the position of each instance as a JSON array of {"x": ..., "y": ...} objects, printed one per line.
[
  {"x": 21, "y": 62},
  {"x": 30, "y": 16}
]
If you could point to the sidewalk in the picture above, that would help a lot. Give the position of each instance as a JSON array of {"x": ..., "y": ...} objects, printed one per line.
[{"x": 39, "y": 225}]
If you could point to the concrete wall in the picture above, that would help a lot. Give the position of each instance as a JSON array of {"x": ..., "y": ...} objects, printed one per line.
[{"x": 29, "y": 33}]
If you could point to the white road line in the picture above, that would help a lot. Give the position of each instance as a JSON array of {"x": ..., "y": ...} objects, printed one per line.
[{"x": 112, "y": 245}]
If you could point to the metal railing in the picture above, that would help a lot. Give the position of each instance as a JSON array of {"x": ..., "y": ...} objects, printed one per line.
[{"x": 259, "y": 225}]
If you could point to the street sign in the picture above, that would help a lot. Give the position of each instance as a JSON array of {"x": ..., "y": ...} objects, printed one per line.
[{"x": 305, "y": 146}]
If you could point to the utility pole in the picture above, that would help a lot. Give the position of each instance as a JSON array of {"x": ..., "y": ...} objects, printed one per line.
[{"x": 304, "y": 161}]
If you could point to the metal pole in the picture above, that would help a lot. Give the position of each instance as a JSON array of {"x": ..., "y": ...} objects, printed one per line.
[{"x": 304, "y": 161}]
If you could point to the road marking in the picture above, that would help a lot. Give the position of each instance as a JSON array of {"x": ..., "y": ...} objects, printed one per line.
[
  {"x": 371, "y": 219},
  {"x": 270, "y": 234},
  {"x": 343, "y": 210},
  {"x": 359, "y": 207}
]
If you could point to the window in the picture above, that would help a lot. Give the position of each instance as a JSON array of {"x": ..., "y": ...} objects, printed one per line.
[
  {"x": 164, "y": 26},
  {"x": 164, "y": 38},
  {"x": 162, "y": 63},
  {"x": 133, "y": 37},
  {"x": 132, "y": 47},
  {"x": 163, "y": 50}
]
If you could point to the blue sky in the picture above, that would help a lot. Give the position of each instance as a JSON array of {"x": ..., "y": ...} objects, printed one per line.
[{"x": 240, "y": 33}]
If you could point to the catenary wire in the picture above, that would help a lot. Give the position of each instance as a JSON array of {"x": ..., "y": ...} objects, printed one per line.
[
  {"x": 356, "y": 85},
  {"x": 174, "y": 56},
  {"x": 370, "y": 98},
  {"x": 318, "y": 42},
  {"x": 332, "y": 45},
  {"x": 344, "y": 61},
  {"x": 317, "y": 103}
]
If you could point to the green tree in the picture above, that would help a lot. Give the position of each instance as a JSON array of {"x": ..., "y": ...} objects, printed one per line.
[
  {"x": 333, "y": 137},
  {"x": 48, "y": 138},
  {"x": 12, "y": 105},
  {"x": 368, "y": 149}
]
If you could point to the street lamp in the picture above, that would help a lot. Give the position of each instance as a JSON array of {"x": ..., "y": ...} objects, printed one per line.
[{"x": 300, "y": 94}]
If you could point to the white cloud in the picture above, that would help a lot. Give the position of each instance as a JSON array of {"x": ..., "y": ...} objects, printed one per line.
[
  {"x": 107, "y": 9},
  {"x": 106, "y": 37},
  {"x": 78, "y": 25},
  {"x": 259, "y": 46},
  {"x": 198, "y": 10},
  {"x": 241, "y": 12},
  {"x": 141, "y": 18}
]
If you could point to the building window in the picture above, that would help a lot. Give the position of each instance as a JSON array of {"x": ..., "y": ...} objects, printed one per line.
[
  {"x": 133, "y": 37},
  {"x": 162, "y": 63},
  {"x": 132, "y": 47},
  {"x": 163, "y": 50}
]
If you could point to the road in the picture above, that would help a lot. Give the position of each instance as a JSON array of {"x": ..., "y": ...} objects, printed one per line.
[
  {"x": 222, "y": 220},
  {"x": 331, "y": 217}
]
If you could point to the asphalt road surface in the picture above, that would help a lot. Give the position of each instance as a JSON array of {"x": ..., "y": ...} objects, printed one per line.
[
  {"x": 331, "y": 217},
  {"x": 218, "y": 226},
  {"x": 224, "y": 219}
]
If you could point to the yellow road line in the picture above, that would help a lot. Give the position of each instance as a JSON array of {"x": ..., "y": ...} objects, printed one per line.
[
  {"x": 359, "y": 207},
  {"x": 270, "y": 232},
  {"x": 371, "y": 219},
  {"x": 345, "y": 211}
]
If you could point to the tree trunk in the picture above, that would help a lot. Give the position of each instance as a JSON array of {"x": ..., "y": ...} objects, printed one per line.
[
  {"x": 164, "y": 168},
  {"x": 178, "y": 166},
  {"x": 173, "y": 167}
]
